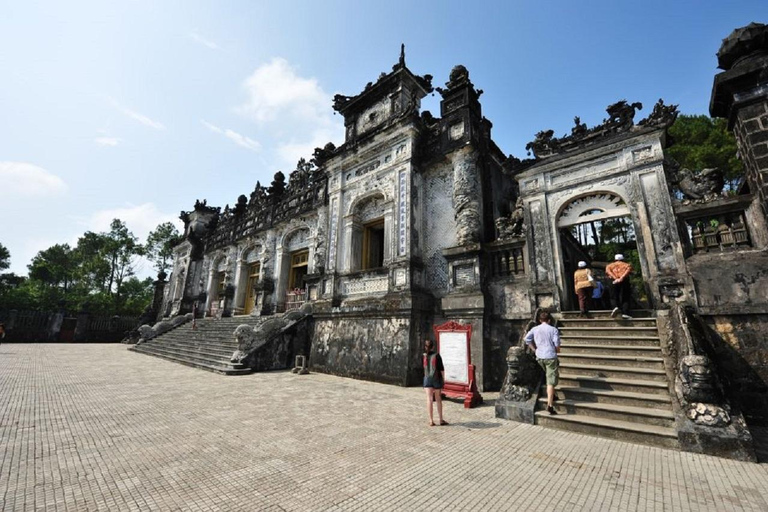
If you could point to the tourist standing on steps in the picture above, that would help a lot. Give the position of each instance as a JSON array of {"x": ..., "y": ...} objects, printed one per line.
[
  {"x": 545, "y": 340},
  {"x": 583, "y": 282},
  {"x": 621, "y": 290},
  {"x": 434, "y": 377}
]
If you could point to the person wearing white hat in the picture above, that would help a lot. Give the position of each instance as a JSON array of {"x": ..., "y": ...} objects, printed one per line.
[
  {"x": 583, "y": 281},
  {"x": 621, "y": 291}
]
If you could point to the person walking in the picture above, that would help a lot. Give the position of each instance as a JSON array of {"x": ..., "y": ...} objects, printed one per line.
[
  {"x": 621, "y": 290},
  {"x": 583, "y": 282},
  {"x": 434, "y": 377},
  {"x": 545, "y": 341}
]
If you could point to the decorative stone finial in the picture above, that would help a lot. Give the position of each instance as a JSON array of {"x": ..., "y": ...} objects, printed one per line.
[
  {"x": 742, "y": 42},
  {"x": 402, "y": 54}
]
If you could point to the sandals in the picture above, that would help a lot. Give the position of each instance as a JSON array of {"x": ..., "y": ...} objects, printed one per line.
[
  {"x": 443, "y": 422},
  {"x": 431, "y": 423}
]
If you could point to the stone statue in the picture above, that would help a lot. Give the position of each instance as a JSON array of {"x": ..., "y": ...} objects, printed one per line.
[
  {"x": 702, "y": 186},
  {"x": 579, "y": 129},
  {"x": 662, "y": 115},
  {"x": 697, "y": 380},
  {"x": 513, "y": 225},
  {"x": 544, "y": 144},
  {"x": 621, "y": 115},
  {"x": 247, "y": 341},
  {"x": 521, "y": 376}
]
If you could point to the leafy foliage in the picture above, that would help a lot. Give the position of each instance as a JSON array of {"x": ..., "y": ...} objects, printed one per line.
[
  {"x": 160, "y": 244},
  {"x": 5, "y": 257},
  {"x": 97, "y": 275},
  {"x": 700, "y": 142}
]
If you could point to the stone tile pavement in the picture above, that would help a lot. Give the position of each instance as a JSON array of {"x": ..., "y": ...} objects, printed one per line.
[{"x": 96, "y": 427}]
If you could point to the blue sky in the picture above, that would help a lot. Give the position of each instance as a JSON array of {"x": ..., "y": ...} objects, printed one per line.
[{"x": 134, "y": 109}]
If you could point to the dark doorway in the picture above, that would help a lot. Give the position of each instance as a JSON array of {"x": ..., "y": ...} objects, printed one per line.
[{"x": 597, "y": 242}]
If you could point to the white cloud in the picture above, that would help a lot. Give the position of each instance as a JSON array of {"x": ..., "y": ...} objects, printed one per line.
[
  {"x": 22, "y": 179},
  {"x": 240, "y": 140},
  {"x": 203, "y": 41},
  {"x": 291, "y": 107},
  {"x": 136, "y": 116},
  {"x": 140, "y": 219},
  {"x": 107, "y": 141}
]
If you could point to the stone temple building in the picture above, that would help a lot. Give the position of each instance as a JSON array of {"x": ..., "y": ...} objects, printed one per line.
[{"x": 419, "y": 219}]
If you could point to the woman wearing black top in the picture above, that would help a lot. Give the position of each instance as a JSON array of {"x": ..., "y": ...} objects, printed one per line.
[{"x": 434, "y": 375}]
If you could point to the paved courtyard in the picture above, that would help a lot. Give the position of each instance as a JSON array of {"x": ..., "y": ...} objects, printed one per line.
[{"x": 96, "y": 427}]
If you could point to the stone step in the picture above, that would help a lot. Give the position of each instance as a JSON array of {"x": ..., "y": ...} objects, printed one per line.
[
  {"x": 605, "y": 349},
  {"x": 589, "y": 370},
  {"x": 606, "y": 322},
  {"x": 610, "y": 360},
  {"x": 187, "y": 340},
  {"x": 194, "y": 350},
  {"x": 639, "y": 415},
  {"x": 605, "y": 313},
  {"x": 222, "y": 369},
  {"x": 589, "y": 339},
  {"x": 631, "y": 385},
  {"x": 157, "y": 350},
  {"x": 603, "y": 396},
  {"x": 627, "y": 332},
  {"x": 653, "y": 435}
]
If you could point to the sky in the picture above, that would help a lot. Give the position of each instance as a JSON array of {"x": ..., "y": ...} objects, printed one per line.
[{"x": 134, "y": 109}]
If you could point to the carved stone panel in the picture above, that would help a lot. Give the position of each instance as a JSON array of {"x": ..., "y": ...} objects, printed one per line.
[{"x": 660, "y": 220}]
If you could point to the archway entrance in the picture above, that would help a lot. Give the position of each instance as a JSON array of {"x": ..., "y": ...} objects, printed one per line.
[
  {"x": 254, "y": 273},
  {"x": 594, "y": 229}
]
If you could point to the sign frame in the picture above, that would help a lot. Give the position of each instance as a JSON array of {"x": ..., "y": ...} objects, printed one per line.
[{"x": 452, "y": 389}]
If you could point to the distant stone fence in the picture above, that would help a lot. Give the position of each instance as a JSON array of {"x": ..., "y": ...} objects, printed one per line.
[{"x": 59, "y": 326}]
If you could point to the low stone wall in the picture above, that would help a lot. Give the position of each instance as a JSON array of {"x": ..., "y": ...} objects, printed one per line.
[
  {"x": 740, "y": 347},
  {"x": 365, "y": 347}
]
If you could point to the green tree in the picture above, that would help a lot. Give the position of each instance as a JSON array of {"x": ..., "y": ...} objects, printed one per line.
[
  {"x": 54, "y": 267},
  {"x": 5, "y": 257},
  {"x": 700, "y": 142},
  {"x": 120, "y": 249},
  {"x": 160, "y": 244},
  {"x": 137, "y": 293}
]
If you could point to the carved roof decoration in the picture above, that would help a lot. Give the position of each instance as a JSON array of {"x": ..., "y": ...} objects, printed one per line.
[
  {"x": 742, "y": 42},
  {"x": 345, "y": 104},
  {"x": 304, "y": 191},
  {"x": 620, "y": 120}
]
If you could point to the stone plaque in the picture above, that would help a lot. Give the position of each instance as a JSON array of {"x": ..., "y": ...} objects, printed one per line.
[
  {"x": 463, "y": 275},
  {"x": 399, "y": 277}
]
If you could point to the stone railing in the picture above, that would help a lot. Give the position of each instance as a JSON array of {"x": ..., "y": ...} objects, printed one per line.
[
  {"x": 146, "y": 333},
  {"x": 364, "y": 284}
]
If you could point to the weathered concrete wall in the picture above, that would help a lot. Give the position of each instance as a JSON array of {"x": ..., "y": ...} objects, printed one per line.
[
  {"x": 733, "y": 282},
  {"x": 741, "y": 352},
  {"x": 366, "y": 347}
]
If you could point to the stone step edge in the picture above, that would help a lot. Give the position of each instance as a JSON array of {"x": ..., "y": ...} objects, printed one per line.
[
  {"x": 623, "y": 369},
  {"x": 599, "y": 346},
  {"x": 587, "y": 328},
  {"x": 216, "y": 369},
  {"x": 598, "y": 422},
  {"x": 614, "y": 380},
  {"x": 599, "y": 337},
  {"x": 192, "y": 349},
  {"x": 608, "y": 357},
  {"x": 170, "y": 353},
  {"x": 615, "y": 408},
  {"x": 650, "y": 397}
]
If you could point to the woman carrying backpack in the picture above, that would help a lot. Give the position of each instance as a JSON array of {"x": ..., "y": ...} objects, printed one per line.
[{"x": 434, "y": 376}]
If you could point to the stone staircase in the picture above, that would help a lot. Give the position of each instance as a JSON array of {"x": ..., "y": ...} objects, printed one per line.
[
  {"x": 209, "y": 347},
  {"x": 612, "y": 380}
]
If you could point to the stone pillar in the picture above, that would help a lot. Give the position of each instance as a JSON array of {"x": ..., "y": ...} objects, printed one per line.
[
  {"x": 54, "y": 325},
  {"x": 466, "y": 197},
  {"x": 740, "y": 94},
  {"x": 209, "y": 289},
  {"x": 241, "y": 268},
  {"x": 157, "y": 298},
  {"x": 81, "y": 327}
]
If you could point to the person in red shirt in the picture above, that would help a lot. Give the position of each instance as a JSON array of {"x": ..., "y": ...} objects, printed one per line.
[{"x": 621, "y": 291}]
